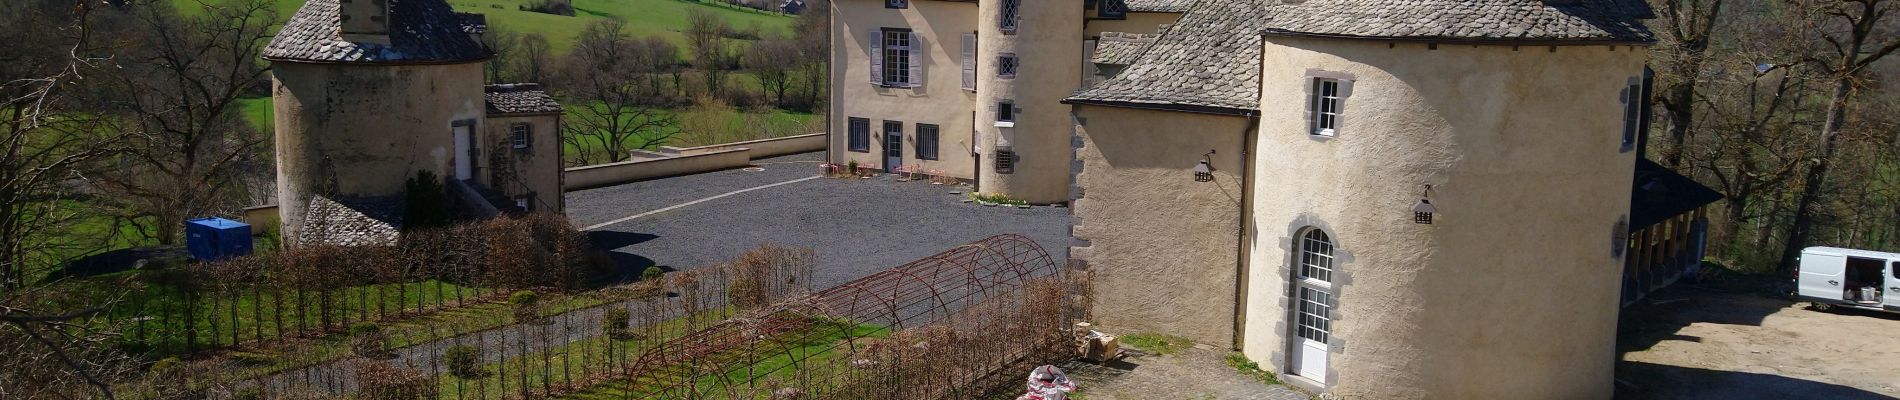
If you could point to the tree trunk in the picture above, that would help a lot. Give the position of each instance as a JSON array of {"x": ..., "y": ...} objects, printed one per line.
[
  {"x": 1681, "y": 109},
  {"x": 1816, "y": 177}
]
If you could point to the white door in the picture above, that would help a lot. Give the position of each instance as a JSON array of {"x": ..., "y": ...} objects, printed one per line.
[
  {"x": 1313, "y": 306},
  {"x": 464, "y": 153},
  {"x": 1821, "y": 276},
  {"x": 1892, "y": 294}
]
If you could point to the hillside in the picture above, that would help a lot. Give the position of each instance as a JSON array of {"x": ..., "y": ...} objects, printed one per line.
[{"x": 666, "y": 18}]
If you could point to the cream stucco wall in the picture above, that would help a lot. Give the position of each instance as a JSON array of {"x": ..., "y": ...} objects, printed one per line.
[
  {"x": 1048, "y": 45},
  {"x": 361, "y": 130},
  {"x": 1162, "y": 245},
  {"x": 941, "y": 100},
  {"x": 536, "y": 169},
  {"x": 1137, "y": 22},
  {"x": 1513, "y": 292}
]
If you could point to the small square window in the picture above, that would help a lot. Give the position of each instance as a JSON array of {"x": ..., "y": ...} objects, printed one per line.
[
  {"x": 1008, "y": 22},
  {"x": 1006, "y": 112},
  {"x": 896, "y": 3},
  {"x": 521, "y": 135},
  {"x": 1006, "y": 65}
]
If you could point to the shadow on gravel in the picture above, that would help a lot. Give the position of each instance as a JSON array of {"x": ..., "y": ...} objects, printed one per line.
[{"x": 1696, "y": 383}]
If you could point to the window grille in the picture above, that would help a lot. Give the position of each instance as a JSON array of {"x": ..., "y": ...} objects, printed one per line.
[
  {"x": 859, "y": 139},
  {"x": 1112, "y": 9},
  {"x": 1316, "y": 256},
  {"x": 1005, "y": 160},
  {"x": 1006, "y": 65},
  {"x": 1326, "y": 102},
  {"x": 1008, "y": 22},
  {"x": 927, "y": 141},
  {"x": 1316, "y": 314},
  {"x": 522, "y": 135}
]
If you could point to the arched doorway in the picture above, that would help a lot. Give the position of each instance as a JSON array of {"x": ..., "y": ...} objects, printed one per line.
[{"x": 1312, "y": 308}]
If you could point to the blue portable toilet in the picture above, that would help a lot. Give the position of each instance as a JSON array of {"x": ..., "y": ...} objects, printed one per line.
[{"x": 212, "y": 239}]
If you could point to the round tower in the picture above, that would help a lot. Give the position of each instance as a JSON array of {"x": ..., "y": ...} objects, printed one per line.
[
  {"x": 367, "y": 94},
  {"x": 1023, "y": 128},
  {"x": 1439, "y": 218}
]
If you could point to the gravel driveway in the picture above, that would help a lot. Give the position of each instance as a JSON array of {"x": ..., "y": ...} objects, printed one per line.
[{"x": 856, "y": 226}]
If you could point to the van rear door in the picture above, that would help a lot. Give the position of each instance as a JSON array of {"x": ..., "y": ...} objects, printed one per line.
[
  {"x": 1821, "y": 275},
  {"x": 1892, "y": 294}
]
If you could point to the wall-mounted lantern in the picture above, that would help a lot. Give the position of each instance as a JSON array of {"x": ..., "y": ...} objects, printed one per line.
[
  {"x": 1204, "y": 172},
  {"x": 1422, "y": 212}
]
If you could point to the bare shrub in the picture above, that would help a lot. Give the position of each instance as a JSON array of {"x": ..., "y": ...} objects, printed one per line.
[{"x": 381, "y": 381}]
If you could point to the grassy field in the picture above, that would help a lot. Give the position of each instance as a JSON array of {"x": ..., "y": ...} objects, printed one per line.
[{"x": 665, "y": 18}]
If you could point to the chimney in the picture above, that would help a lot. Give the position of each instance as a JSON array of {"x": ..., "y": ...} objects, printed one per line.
[{"x": 364, "y": 20}]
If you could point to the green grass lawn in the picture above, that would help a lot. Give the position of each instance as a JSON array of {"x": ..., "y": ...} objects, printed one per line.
[
  {"x": 811, "y": 350},
  {"x": 665, "y": 18}
]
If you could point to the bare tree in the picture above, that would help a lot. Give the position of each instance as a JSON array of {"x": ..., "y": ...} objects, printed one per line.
[
  {"x": 180, "y": 81},
  {"x": 1686, "y": 27},
  {"x": 773, "y": 62},
  {"x": 611, "y": 112},
  {"x": 812, "y": 31},
  {"x": 504, "y": 45},
  {"x": 45, "y": 142},
  {"x": 1856, "y": 34},
  {"x": 705, "y": 34},
  {"x": 536, "y": 55}
]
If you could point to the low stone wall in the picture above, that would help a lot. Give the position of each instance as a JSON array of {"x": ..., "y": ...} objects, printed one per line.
[
  {"x": 761, "y": 148},
  {"x": 593, "y": 176}
]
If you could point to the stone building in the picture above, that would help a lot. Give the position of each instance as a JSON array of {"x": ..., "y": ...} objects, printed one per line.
[
  {"x": 1374, "y": 198},
  {"x": 368, "y": 94},
  {"x": 972, "y": 89}
]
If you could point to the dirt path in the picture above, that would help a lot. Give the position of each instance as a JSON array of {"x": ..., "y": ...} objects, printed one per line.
[
  {"x": 1741, "y": 340},
  {"x": 1192, "y": 374}
]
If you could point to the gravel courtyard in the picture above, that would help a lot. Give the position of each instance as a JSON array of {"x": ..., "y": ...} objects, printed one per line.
[
  {"x": 856, "y": 226},
  {"x": 1741, "y": 338}
]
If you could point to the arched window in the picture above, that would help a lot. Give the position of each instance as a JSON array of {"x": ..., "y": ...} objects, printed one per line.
[{"x": 1316, "y": 256}]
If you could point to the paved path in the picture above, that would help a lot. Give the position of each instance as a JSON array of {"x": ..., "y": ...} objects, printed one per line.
[{"x": 856, "y": 226}]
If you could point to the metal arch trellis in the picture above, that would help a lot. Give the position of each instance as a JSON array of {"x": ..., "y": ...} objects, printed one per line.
[{"x": 926, "y": 329}]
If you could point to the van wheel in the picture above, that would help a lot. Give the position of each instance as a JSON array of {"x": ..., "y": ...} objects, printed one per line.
[{"x": 1820, "y": 306}]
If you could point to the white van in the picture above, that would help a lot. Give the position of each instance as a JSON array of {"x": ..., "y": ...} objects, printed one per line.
[{"x": 1863, "y": 279}]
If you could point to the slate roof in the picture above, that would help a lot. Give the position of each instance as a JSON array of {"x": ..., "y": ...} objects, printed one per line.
[
  {"x": 1659, "y": 194},
  {"x": 1121, "y": 48},
  {"x": 520, "y": 98},
  {"x": 1168, "y": 6},
  {"x": 1209, "y": 61},
  {"x": 342, "y": 221},
  {"x": 1499, "y": 20},
  {"x": 420, "y": 32}
]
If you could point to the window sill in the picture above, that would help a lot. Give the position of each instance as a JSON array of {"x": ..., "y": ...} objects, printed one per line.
[{"x": 1006, "y": 124}]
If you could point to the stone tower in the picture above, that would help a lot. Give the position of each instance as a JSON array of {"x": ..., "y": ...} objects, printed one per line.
[
  {"x": 368, "y": 93},
  {"x": 1028, "y": 156}
]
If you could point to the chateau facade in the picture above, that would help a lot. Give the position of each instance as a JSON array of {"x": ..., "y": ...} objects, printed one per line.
[{"x": 1371, "y": 198}]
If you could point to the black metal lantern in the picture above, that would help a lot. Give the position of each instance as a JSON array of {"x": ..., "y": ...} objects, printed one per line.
[
  {"x": 1423, "y": 211},
  {"x": 1204, "y": 172}
]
